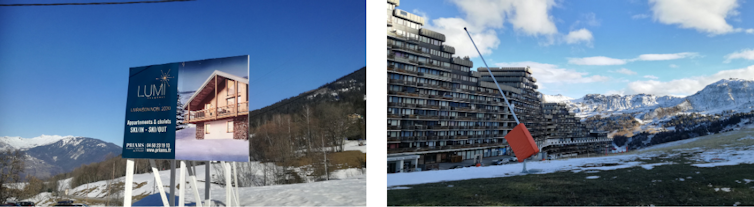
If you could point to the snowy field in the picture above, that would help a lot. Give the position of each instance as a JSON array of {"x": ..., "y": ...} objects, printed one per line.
[
  {"x": 187, "y": 147},
  {"x": 730, "y": 148},
  {"x": 354, "y": 145},
  {"x": 348, "y": 187}
]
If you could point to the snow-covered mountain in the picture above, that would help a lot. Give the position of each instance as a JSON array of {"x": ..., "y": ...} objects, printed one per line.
[
  {"x": 727, "y": 94},
  {"x": 49, "y": 155},
  {"x": 733, "y": 94},
  {"x": 26, "y": 143}
]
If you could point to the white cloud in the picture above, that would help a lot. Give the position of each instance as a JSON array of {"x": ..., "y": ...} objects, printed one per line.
[
  {"x": 597, "y": 60},
  {"x": 529, "y": 17},
  {"x": 582, "y": 35},
  {"x": 625, "y": 71},
  {"x": 602, "y": 60},
  {"x": 455, "y": 36},
  {"x": 650, "y": 77},
  {"x": 484, "y": 17},
  {"x": 750, "y": 31},
  {"x": 743, "y": 54},
  {"x": 705, "y": 16},
  {"x": 673, "y": 66},
  {"x": 639, "y": 16},
  {"x": 651, "y": 57},
  {"x": 549, "y": 73},
  {"x": 420, "y": 13},
  {"x": 685, "y": 86}
]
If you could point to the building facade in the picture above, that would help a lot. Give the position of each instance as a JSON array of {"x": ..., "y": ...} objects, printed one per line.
[
  {"x": 439, "y": 110},
  {"x": 566, "y": 136},
  {"x": 220, "y": 107}
]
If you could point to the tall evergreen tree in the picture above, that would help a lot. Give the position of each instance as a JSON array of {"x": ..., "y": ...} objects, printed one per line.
[{"x": 179, "y": 115}]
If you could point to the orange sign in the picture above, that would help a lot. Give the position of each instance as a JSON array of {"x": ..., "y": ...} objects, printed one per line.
[{"x": 521, "y": 142}]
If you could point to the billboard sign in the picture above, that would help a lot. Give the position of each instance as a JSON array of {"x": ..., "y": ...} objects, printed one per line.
[{"x": 196, "y": 110}]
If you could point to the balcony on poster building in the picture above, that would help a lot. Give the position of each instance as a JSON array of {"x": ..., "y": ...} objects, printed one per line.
[{"x": 215, "y": 113}]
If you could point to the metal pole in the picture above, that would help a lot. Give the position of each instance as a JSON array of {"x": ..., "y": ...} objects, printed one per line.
[
  {"x": 182, "y": 181},
  {"x": 158, "y": 180},
  {"x": 496, "y": 84},
  {"x": 228, "y": 193},
  {"x": 235, "y": 177},
  {"x": 493, "y": 77},
  {"x": 207, "y": 183},
  {"x": 172, "y": 182},
  {"x": 192, "y": 180},
  {"x": 129, "y": 182}
]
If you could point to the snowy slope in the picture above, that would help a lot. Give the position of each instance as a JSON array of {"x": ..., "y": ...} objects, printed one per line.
[
  {"x": 727, "y": 94},
  {"x": 26, "y": 143},
  {"x": 349, "y": 191}
]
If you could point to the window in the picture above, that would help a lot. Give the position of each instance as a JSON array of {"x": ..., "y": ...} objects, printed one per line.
[
  {"x": 231, "y": 85},
  {"x": 206, "y": 128},
  {"x": 231, "y": 101},
  {"x": 229, "y": 126}
]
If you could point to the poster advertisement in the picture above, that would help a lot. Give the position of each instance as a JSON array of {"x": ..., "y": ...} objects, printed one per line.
[{"x": 206, "y": 111}]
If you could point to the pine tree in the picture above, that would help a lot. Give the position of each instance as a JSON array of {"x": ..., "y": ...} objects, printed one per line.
[{"x": 179, "y": 115}]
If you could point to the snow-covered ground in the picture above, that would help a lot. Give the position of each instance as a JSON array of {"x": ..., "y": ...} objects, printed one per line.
[
  {"x": 730, "y": 148},
  {"x": 348, "y": 188},
  {"x": 354, "y": 145}
]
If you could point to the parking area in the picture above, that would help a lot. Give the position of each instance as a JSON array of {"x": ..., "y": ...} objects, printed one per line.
[{"x": 485, "y": 162}]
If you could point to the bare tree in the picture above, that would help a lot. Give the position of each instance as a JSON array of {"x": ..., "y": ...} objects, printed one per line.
[
  {"x": 11, "y": 167},
  {"x": 33, "y": 187}
]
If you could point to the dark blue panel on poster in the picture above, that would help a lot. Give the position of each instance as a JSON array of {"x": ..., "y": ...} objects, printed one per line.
[{"x": 151, "y": 112}]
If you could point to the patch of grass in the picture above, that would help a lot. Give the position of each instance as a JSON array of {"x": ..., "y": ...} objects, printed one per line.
[
  {"x": 339, "y": 160},
  {"x": 347, "y": 159},
  {"x": 139, "y": 197},
  {"x": 631, "y": 186}
]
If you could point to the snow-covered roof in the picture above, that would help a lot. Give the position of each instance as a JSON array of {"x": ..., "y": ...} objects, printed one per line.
[{"x": 215, "y": 73}]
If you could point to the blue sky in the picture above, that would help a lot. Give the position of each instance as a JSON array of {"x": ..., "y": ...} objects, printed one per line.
[
  {"x": 64, "y": 69},
  {"x": 663, "y": 47}
]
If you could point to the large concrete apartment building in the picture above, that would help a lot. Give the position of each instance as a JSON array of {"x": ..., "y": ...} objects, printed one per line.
[{"x": 439, "y": 110}]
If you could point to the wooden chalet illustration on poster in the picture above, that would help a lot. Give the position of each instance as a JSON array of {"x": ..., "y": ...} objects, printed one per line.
[{"x": 219, "y": 108}]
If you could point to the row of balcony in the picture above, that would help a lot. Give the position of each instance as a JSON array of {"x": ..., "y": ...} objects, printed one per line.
[
  {"x": 468, "y": 118},
  {"x": 417, "y": 127},
  {"x": 448, "y": 88},
  {"x": 214, "y": 113},
  {"x": 441, "y": 138},
  {"x": 556, "y": 142},
  {"x": 454, "y": 108},
  {"x": 446, "y": 147}
]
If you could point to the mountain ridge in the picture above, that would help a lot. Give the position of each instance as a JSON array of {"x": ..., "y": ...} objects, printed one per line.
[
  {"x": 723, "y": 95},
  {"x": 48, "y": 155}
]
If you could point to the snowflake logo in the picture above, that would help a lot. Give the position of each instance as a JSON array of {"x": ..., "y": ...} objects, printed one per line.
[{"x": 165, "y": 77}]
